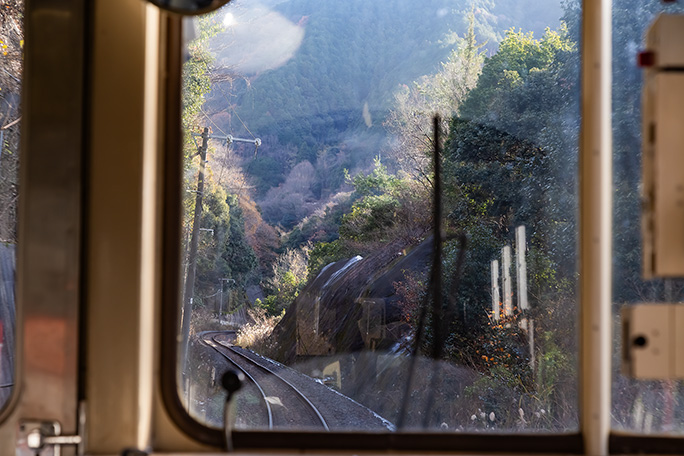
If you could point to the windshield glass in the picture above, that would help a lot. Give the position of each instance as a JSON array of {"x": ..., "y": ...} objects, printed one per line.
[
  {"x": 11, "y": 56},
  {"x": 642, "y": 406},
  {"x": 309, "y": 261}
]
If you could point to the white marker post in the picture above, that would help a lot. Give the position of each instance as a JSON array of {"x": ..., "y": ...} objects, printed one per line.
[
  {"x": 521, "y": 277},
  {"x": 521, "y": 267},
  {"x": 506, "y": 274},
  {"x": 496, "y": 291}
]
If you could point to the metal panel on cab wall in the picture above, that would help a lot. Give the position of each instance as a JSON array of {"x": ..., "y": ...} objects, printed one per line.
[
  {"x": 48, "y": 269},
  {"x": 663, "y": 182},
  {"x": 653, "y": 344},
  {"x": 663, "y": 149}
]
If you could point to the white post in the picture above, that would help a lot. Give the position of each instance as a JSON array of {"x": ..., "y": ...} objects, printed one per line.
[
  {"x": 496, "y": 295},
  {"x": 506, "y": 275},
  {"x": 530, "y": 335},
  {"x": 521, "y": 267}
]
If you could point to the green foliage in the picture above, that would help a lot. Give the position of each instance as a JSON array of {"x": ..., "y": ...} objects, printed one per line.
[
  {"x": 242, "y": 258},
  {"x": 512, "y": 72},
  {"x": 375, "y": 210},
  {"x": 284, "y": 295},
  {"x": 458, "y": 75},
  {"x": 508, "y": 161},
  {"x": 196, "y": 84},
  {"x": 553, "y": 367},
  {"x": 499, "y": 173},
  {"x": 377, "y": 182},
  {"x": 196, "y": 80},
  {"x": 516, "y": 395},
  {"x": 223, "y": 252},
  {"x": 370, "y": 217},
  {"x": 270, "y": 305},
  {"x": 324, "y": 253},
  {"x": 212, "y": 265},
  {"x": 288, "y": 277},
  {"x": 386, "y": 209},
  {"x": 319, "y": 228},
  {"x": 505, "y": 160}
]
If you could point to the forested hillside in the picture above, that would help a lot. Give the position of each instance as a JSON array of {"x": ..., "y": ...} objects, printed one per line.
[
  {"x": 344, "y": 111},
  {"x": 318, "y": 82}
]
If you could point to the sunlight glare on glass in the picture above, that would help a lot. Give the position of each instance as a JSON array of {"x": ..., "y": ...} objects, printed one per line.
[{"x": 228, "y": 20}]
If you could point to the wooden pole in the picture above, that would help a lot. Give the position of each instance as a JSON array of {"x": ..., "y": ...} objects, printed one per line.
[{"x": 189, "y": 290}]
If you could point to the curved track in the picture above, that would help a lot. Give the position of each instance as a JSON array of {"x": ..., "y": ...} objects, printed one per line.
[{"x": 286, "y": 406}]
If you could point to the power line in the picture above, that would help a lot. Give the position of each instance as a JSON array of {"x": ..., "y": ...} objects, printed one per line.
[
  {"x": 257, "y": 141},
  {"x": 240, "y": 119},
  {"x": 234, "y": 111},
  {"x": 213, "y": 123}
]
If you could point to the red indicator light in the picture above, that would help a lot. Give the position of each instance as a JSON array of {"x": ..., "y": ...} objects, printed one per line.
[{"x": 646, "y": 59}]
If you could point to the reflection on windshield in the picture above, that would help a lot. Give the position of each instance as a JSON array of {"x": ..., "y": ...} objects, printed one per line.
[
  {"x": 638, "y": 406},
  {"x": 308, "y": 224}
]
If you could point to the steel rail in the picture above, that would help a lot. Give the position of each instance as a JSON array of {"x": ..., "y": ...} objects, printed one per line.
[
  {"x": 212, "y": 343},
  {"x": 297, "y": 392}
]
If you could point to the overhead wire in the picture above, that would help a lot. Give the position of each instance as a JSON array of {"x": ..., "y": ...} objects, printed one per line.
[
  {"x": 225, "y": 96},
  {"x": 246, "y": 169},
  {"x": 220, "y": 177},
  {"x": 212, "y": 122},
  {"x": 243, "y": 124},
  {"x": 239, "y": 190}
]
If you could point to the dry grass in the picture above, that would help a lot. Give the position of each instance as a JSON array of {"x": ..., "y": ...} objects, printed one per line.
[{"x": 257, "y": 335}]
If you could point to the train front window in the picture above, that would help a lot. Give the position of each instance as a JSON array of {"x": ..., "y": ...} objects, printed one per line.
[
  {"x": 307, "y": 244},
  {"x": 11, "y": 45}
]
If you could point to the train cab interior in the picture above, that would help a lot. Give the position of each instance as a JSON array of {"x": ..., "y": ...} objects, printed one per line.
[{"x": 446, "y": 226}]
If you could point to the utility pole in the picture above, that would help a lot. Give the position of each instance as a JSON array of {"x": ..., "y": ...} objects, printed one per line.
[
  {"x": 220, "y": 311},
  {"x": 223, "y": 282},
  {"x": 189, "y": 288}
]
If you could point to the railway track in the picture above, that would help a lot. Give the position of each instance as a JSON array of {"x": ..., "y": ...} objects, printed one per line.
[{"x": 285, "y": 406}]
